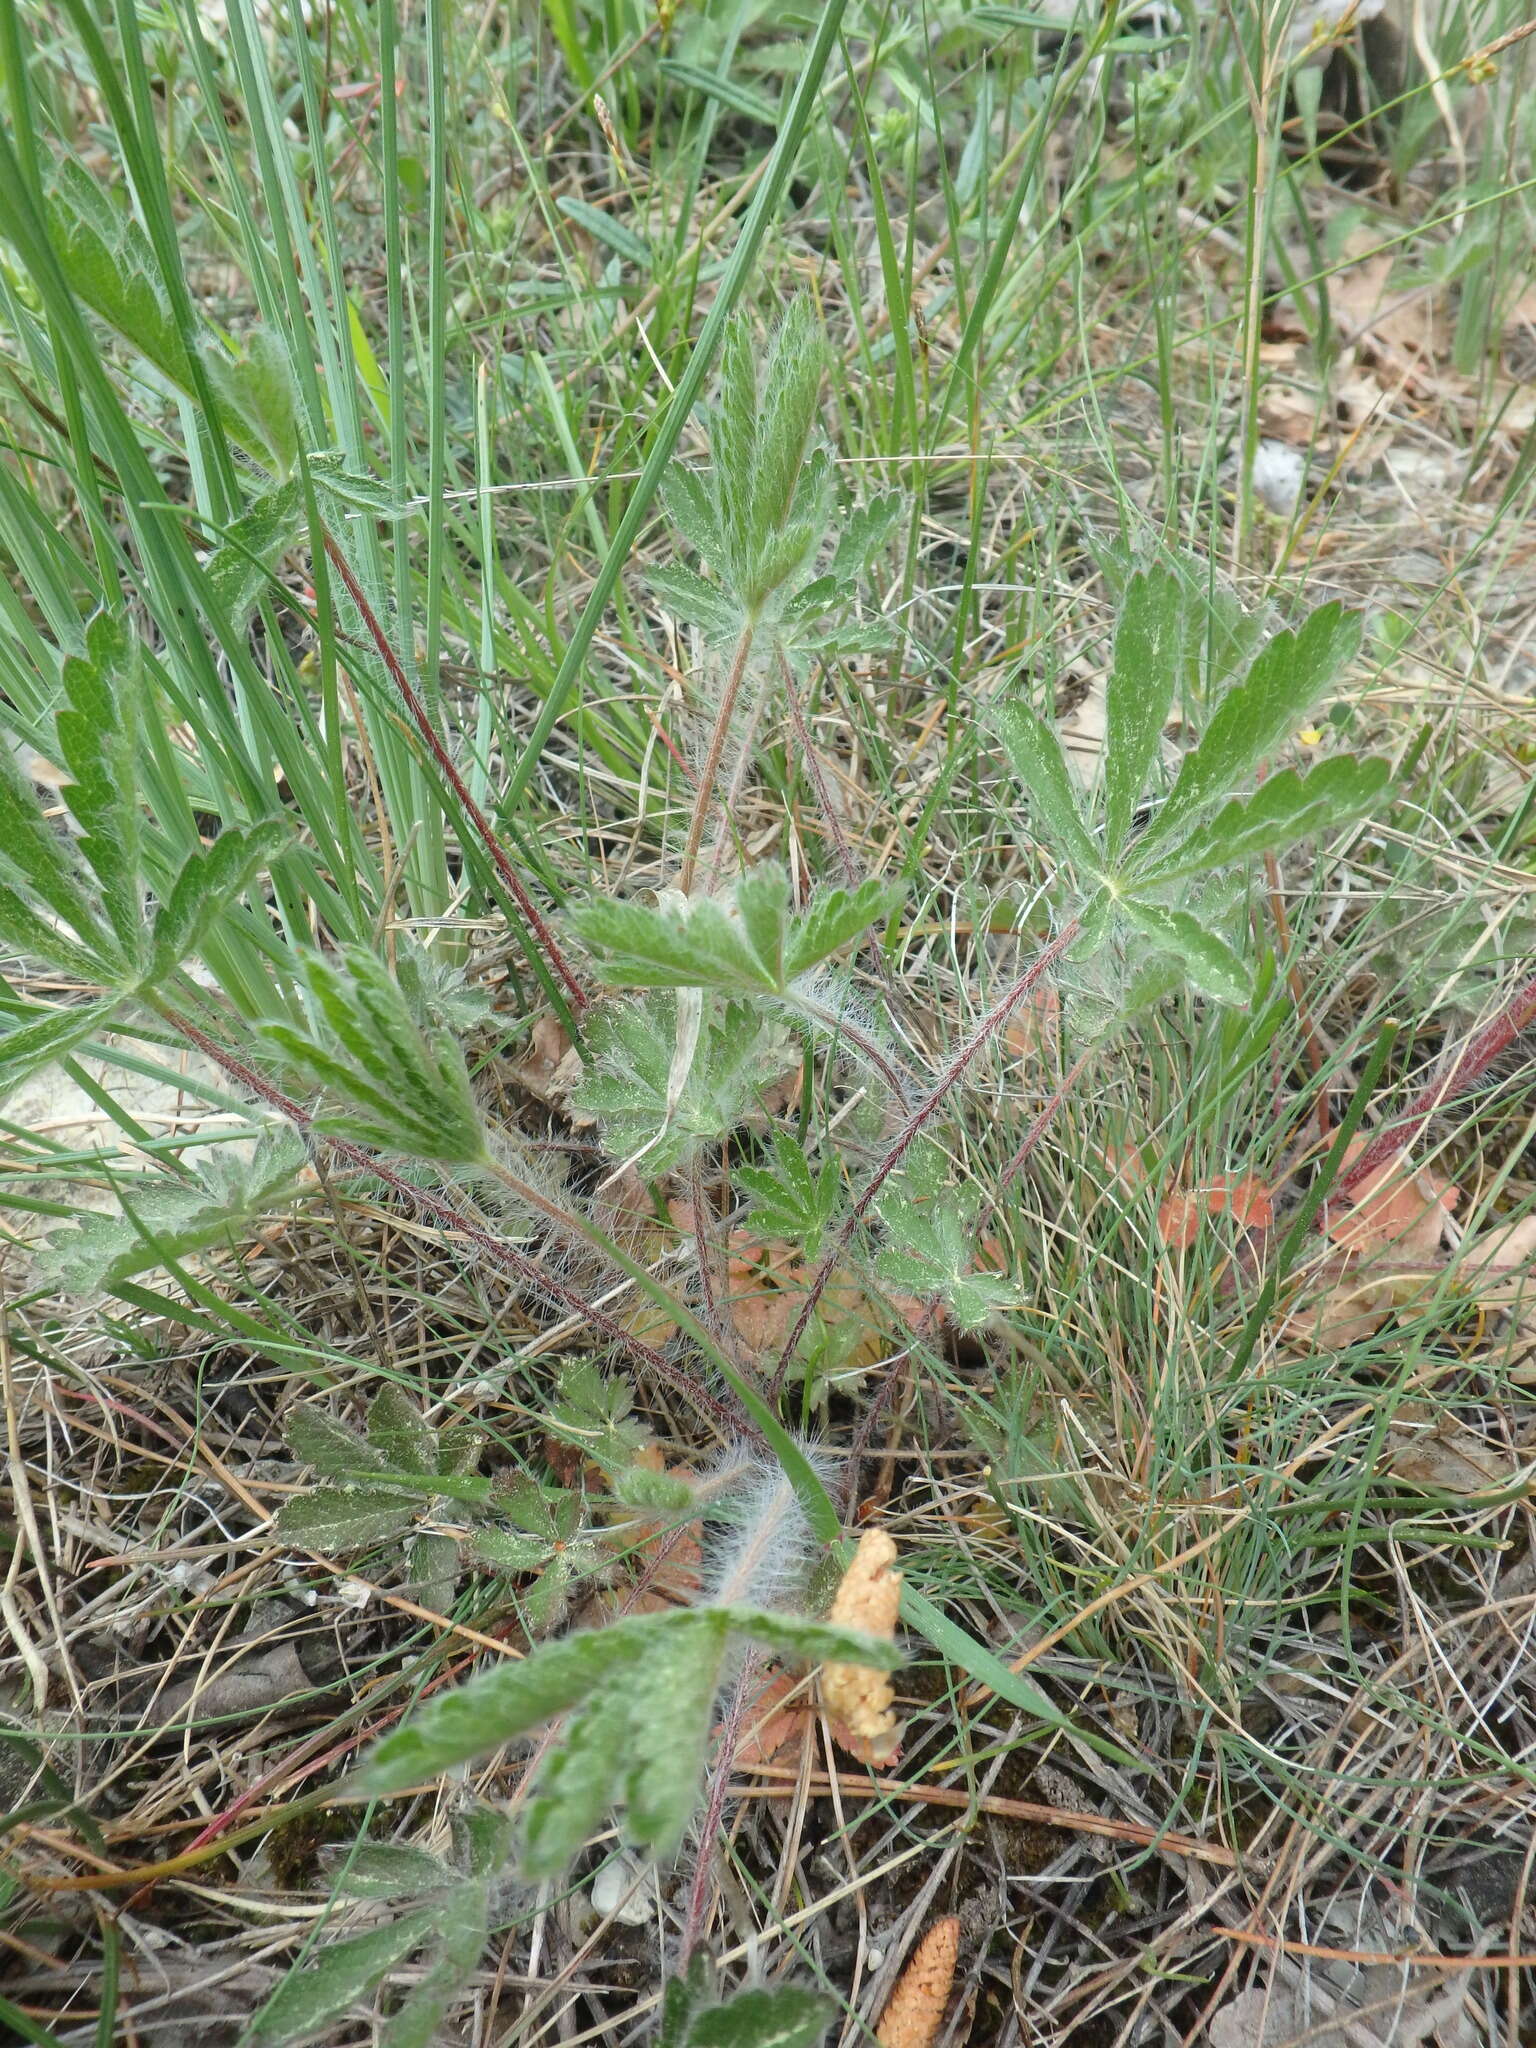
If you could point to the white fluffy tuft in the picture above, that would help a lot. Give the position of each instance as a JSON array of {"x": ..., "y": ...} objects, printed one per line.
[{"x": 759, "y": 1545}]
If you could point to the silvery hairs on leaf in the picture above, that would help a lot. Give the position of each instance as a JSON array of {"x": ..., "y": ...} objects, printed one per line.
[{"x": 1153, "y": 899}]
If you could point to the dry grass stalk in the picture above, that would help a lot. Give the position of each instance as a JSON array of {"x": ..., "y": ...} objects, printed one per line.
[
  {"x": 868, "y": 1598},
  {"x": 915, "y": 2010}
]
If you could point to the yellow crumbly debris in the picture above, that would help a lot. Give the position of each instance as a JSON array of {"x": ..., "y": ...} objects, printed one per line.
[
  {"x": 915, "y": 2011},
  {"x": 868, "y": 1599}
]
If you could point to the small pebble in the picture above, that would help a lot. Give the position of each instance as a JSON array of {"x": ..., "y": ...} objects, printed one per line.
[{"x": 617, "y": 1894}]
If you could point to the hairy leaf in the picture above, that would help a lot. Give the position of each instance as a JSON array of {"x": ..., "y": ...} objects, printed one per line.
[
  {"x": 240, "y": 567},
  {"x": 401, "y": 1083},
  {"x": 98, "y": 737},
  {"x": 789, "y": 1200},
  {"x": 44, "y": 1036},
  {"x": 1142, "y": 678},
  {"x": 397, "y": 1431},
  {"x": 1042, "y": 768},
  {"x": 690, "y": 597},
  {"x": 496, "y": 1705},
  {"x": 1285, "y": 808},
  {"x": 335, "y": 1976},
  {"x": 392, "y": 1870},
  {"x": 787, "y": 2017},
  {"x": 1289, "y": 674},
  {"x": 210, "y": 881},
  {"x": 318, "y": 1439},
  {"x": 835, "y": 918},
  {"x": 626, "y": 1086},
  {"x": 336, "y": 1519},
  {"x": 164, "y": 1218},
  {"x": 1208, "y": 960}
]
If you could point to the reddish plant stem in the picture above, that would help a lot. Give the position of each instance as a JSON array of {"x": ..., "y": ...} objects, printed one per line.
[
  {"x": 1033, "y": 1135},
  {"x": 719, "y": 1788},
  {"x": 519, "y": 1264},
  {"x": 926, "y": 1110},
  {"x": 818, "y": 778},
  {"x": 1483, "y": 1048},
  {"x": 704, "y": 800},
  {"x": 826, "y": 804},
  {"x": 493, "y": 846}
]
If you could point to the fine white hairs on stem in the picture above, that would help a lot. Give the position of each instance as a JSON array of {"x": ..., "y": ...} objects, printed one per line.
[{"x": 759, "y": 1544}]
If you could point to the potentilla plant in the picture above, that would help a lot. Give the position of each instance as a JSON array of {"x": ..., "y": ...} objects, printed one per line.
[{"x": 714, "y": 990}]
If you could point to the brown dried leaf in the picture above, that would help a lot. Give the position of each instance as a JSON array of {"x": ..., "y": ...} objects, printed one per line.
[
  {"x": 553, "y": 1065},
  {"x": 1433, "y": 1450},
  {"x": 869, "y": 1598},
  {"x": 1247, "y": 1201},
  {"x": 1393, "y": 1207},
  {"x": 915, "y": 2010},
  {"x": 768, "y": 1724}
]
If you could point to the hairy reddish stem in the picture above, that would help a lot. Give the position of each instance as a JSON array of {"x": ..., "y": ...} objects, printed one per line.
[
  {"x": 519, "y": 1264},
  {"x": 711, "y": 769},
  {"x": 1482, "y": 1050},
  {"x": 926, "y": 1110},
  {"x": 493, "y": 846}
]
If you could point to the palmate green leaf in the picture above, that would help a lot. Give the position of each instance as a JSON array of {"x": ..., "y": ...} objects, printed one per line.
[
  {"x": 318, "y": 1439},
  {"x": 210, "y": 881},
  {"x": 1041, "y": 766},
  {"x": 640, "y": 1694},
  {"x": 697, "y": 944},
  {"x": 98, "y": 741},
  {"x": 751, "y": 947},
  {"x": 786, "y": 2017},
  {"x": 333, "y": 1977},
  {"x": 702, "y": 603},
  {"x": 625, "y": 1085},
  {"x": 44, "y": 1036},
  {"x": 1209, "y": 961},
  {"x": 788, "y": 1199},
  {"x": 835, "y": 918},
  {"x": 240, "y": 567},
  {"x": 933, "y": 1252},
  {"x": 397, "y": 1430},
  {"x": 336, "y": 1519},
  {"x": 506, "y": 1701},
  {"x": 1285, "y": 808},
  {"x": 1289, "y": 674},
  {"x": 165, "y": 1218},
  {"x": 402, "y": 1084},
  {"x": 1143, "y": 675}
]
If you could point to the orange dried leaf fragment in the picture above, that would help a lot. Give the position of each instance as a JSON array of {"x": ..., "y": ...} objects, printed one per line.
[
  {"x": 862, "y": 1700},
  {"x": 1393, "y": 1208},
  {"x": 1247, "y": 1201},
  {"x": 915, "y": 2010}
]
